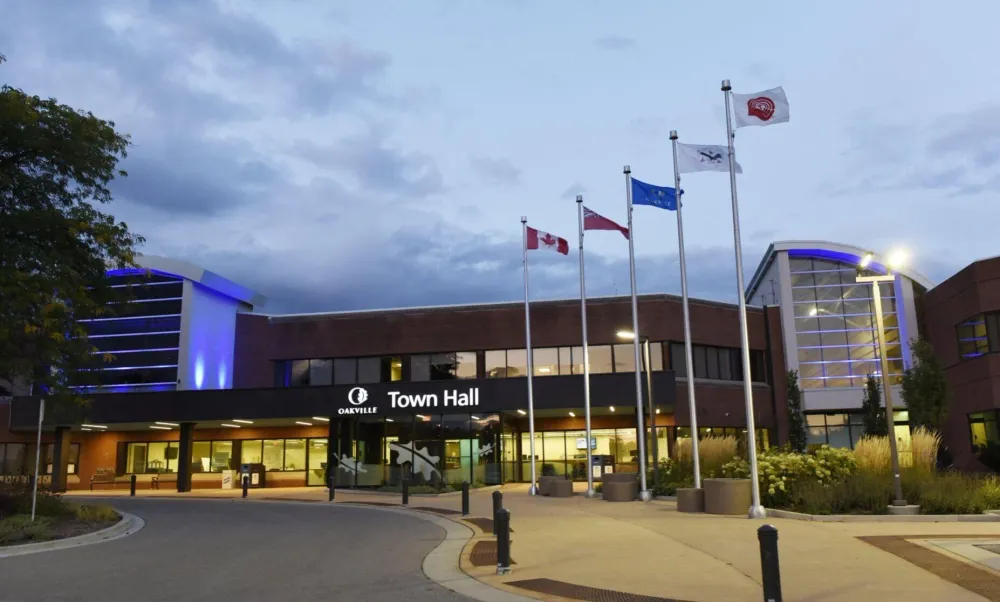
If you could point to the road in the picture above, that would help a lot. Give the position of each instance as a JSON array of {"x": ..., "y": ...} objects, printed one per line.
[{"x": 226, "y": 550}]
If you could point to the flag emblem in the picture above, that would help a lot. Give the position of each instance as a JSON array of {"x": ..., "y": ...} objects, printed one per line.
[
  {"x": 712, "y": 156},
  {"x": 761, "y": 107}
]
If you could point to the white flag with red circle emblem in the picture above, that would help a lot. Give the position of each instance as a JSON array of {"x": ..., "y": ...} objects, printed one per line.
[{"x": 763, "y": 108}]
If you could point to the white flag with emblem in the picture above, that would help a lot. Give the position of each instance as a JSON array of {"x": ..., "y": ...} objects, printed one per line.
[
  {"x": 763, "y": 108},
  {"x": 703, "y": 157}
]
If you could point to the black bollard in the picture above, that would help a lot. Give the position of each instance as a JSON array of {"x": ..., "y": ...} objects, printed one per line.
[
  {"x": 465, "y": 498},
  {"x": 769, "y": 569},
  {"x": 497, "y": 505},
  {"x": 332, "y": 483},
  {"x": 246, "y": 485},
  {"x": 406, "y": 492},
  {"x": 502, "y": 523},
  {"x": 131, "y": 486}
]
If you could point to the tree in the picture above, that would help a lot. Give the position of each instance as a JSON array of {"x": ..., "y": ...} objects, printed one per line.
[
  {"x": 55, "y": 167},
  {"x": 925, "y": 388},
  {"x": 872, "y": 409},
  {"x": 796, "y": 421}
]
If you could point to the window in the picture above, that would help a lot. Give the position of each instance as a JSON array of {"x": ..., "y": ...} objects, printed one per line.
[
  {"x": 420, "y": 368},
  {"x": 251, "y": 452},
  {"x": 625, "y": 357},
  {"x": 273, "y": 454},
  {"x": 496, "y": 364},
  {"x": 834, "y": 325},
  {"x": 545, "y": 361},
  {"x": 979, "y": 335},
  {"x": 718, "y": 363},
  {"x": 843, "y": 429},
  {"x": 295, "y": 454},
  {"x": 369, "y": 370},
  {"x": 320, "y": 372},
  {"x": 983, "y": 428},
  {"x": 151, "y": 457},
  {"x": 345, "y": 371},
  {"x": 19, "y": 458},
  {"x": 600, "y": 359}
]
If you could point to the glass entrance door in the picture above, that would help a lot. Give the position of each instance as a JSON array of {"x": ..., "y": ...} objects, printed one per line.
[{"x": 316, "y": 450}]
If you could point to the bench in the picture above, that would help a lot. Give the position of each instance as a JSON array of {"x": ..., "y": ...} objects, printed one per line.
[
  {"x": 106, "y": 476},
  {"x": 163, "y": 477}
]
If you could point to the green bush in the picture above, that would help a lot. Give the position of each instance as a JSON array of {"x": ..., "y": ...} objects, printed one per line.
[
  {"x": 19, "y": 529},
  {"x": 989, "y": 491},
  {"x": 97, "y": 513},
  {"x": 781, "y": 472},
  {"x": 951, "y": 493}
]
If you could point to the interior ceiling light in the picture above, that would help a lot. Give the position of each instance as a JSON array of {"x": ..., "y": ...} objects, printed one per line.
[{"x": 303, "y": 423}]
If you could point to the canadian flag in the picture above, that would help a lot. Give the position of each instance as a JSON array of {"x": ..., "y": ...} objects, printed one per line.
[{"x": 543, "y": 240}]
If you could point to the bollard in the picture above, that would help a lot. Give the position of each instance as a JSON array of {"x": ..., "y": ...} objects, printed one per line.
[
  {"x": 131, "y": 486},
  {"x": 769, "y": 569},
  {"x": 497, "y": 505},
  {"x": 465, "y": 498},
  {"x": 502, "y": 523},
  {"x": 406, "y": 492},
  {"x": 246, "y": 485},
  {"x": 332, "y": 483}
]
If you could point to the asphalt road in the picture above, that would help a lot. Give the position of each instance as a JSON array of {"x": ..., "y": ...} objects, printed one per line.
[{"x": 224, "y": 550}]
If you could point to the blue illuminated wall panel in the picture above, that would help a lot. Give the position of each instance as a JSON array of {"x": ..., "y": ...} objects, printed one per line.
[{"x": 208, "y": 334}]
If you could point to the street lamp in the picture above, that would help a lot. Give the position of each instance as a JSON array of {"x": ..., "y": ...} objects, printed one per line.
[
  {"x": 628, "y": 335},
  {"x": 896, "y": 259}
]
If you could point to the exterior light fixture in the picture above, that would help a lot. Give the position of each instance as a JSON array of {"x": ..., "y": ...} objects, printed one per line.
[
  {"x": 166, "y": 423},
  {"x": 94, "y": 426},
  {"x": 545, "y": 369},
  {"x": 231, "y": 426},
  {"x": 657, "y": 410},
  {"x": 572, "y": 414},
  {"x": 303, "y": 423},
  {"x": 521, "y": 412},
  {"x": 159, "y": 428},
  {"x": 897, "y": 258},
  {"x": 389, "y": 420},
  {"x": 612, "y": 408},
  {"x": 321, "y": 419},
  {"x": 626, "y": 335},
  {"x": 476, "y": 418},
  {"x": 241, "y": 421},
  {"x": 866, "y": 260}
]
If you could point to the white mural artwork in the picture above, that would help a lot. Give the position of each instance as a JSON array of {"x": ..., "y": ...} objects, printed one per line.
[
  {"x": 485, "y": 451},
  {"x": 349, "y": 464},
  {"x": 421, "y": 459}
]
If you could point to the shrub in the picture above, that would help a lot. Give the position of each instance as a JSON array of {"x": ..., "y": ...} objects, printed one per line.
[
  {"x": 989, "y": 491},
  {"x": 780, "y": 472},
  {"x": 923, "y": 447},
  {"x": 19, "y": 529},
  {"x": 713, "y": 452},
  {"x": 872, "y": 455},
  {"x": 952, "y": 493},
  {"x": 96, "y": 513}
]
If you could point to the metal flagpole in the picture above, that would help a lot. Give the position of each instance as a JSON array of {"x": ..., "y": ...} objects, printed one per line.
[
  {"x": 531, "y": 369},
  {"x": 38, "y": 456},
  {"x": 756, "y": 510},
  {"x": 586, "y": 353},
  {"x": 688, "y": 362},
  {"x": 644, "y": 494}
]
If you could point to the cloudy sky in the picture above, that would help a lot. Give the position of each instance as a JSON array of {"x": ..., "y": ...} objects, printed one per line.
[{"x": 360, "y": 154}]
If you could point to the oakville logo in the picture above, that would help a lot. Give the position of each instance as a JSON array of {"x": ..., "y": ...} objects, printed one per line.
[
  {"x": 453, "y": 398},
  {"x": 357, "y": 396},
  {"x": 711, "y": 156}
]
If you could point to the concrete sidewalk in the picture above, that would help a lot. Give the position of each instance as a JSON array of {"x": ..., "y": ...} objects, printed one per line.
[{"x": 651, "y": 549}]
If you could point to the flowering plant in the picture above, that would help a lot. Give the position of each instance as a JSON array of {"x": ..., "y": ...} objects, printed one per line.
[{"x": 779, "y": 471}]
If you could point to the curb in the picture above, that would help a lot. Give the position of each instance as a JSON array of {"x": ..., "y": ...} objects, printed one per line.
[
  {"x": 884, "y": 518},
  {"x": 423, "y": 495},
  {"x": 128, "y": 525}
]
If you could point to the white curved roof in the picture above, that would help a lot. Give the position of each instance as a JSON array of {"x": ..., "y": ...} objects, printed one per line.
[
  {"x": 189, "y": 271},
  {"x": 831, "y": 250}
]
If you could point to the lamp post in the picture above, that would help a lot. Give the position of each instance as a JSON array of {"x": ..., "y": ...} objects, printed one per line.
[
  {"x": 884, "y": 365},
  {"x": 628, "y": 335}
]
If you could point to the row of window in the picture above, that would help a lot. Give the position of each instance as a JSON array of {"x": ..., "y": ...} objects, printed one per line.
[
  {"x": 845, "y": 429},
  {"x": 216, "y": 456},
  {"x": 19, "y": 458},
  {"x": 715, "y": 363},
  {"x": 979, "y": 335}
]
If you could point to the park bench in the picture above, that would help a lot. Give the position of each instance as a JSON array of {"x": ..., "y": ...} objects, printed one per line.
[
  {"x": 106, "y": 476},
  {"x": 163, "y": 477}
]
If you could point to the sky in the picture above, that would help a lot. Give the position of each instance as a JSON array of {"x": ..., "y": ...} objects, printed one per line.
[{"x": 372, "y": 154}]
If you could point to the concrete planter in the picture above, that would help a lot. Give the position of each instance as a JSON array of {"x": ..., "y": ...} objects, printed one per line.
[
  {"x": 691, "y": 500},
  {"x": 727, "y": 496}
]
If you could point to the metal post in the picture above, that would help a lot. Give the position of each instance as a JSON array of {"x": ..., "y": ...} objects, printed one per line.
[
  {"x": 131, "y": 486},
  {"x": 756, "y": 509},
  {"x": 640, "y": 423},
  {"x": 406, "y": 491},
  {"x": 246, "y": 485},
  {"x": 586, "y": 355},
  {"x": 38, "y": 457},
  {"x": 770, "y": 571},
  {"x": 688, "y": 360},
  {"x": 887, "y": 391},
  {"x": 502, "y": 520},
  {"x": 652, "y": 414},
  {"x": 331, "y": 480},
  {"x": 533, "y": 489},
  {"x": 465, "y": 498},
  {"x": 497, "y": 505}
]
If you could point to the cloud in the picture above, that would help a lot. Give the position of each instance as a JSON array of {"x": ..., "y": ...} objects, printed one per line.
[
  {"x": 495, "y": 171},
  {"x": 614, "y": 43},
  {"x": 573, "y": 190}
]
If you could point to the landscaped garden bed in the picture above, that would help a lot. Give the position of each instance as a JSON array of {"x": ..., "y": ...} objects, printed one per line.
[
  {"x": 827, "y": 481},
  {"x": 55, "y": 517}
]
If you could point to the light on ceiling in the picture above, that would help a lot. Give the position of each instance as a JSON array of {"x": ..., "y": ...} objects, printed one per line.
[
  {"x": 303, "y": 423},
  {"x": 241, "y": 421},
  {"x": 321, "y": 419},
  {"x": 626, "y": 335},
  {"x": 612, "y": 408},
  {"x": 521, "y": 412},
  {"x": 231, "y": 426},
  {"x": 94, "y": 426},
  {"x": 572, "y": 414},
  {"x": 476, "y": 418},
  {"x": 166, "y": 423},
  {"x": 159, "y": 428}
]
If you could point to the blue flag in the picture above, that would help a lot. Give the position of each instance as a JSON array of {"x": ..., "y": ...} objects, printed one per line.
[{"x": 663, "y": 197}]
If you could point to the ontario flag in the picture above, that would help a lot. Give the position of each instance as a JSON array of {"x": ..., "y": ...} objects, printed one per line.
[
  {"x": 595, "y": 221},
  {"x": 543, "y": 240}
]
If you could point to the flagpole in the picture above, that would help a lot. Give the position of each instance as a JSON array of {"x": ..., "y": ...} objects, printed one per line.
[
  {"x": 531, "y": 370},
  {"x": 688, "y": 361},
  {"x": 644, "y": 494},
  {"x": 586, "y": 353},
  {"x": 756, "y": 509},
  {"x": 38, "y": 456}
]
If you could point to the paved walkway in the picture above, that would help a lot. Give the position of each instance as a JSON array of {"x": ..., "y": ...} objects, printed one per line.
[{"x": 651, "y": 549}]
